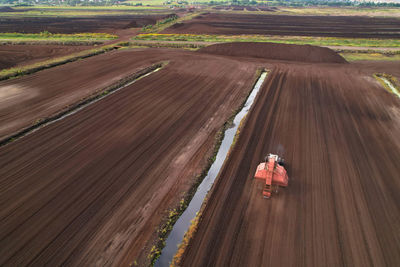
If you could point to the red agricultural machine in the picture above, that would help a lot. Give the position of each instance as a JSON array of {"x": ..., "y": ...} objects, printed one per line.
[{"x": 272, "y": 173}]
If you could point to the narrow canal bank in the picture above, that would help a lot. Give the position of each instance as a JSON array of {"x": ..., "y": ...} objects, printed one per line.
[{"x": 183, "y": 223}]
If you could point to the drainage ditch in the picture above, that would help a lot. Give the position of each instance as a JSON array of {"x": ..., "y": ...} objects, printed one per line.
[
  {"x": 390, "y": 85},
  {"x": 183, "y": 223},
  {"x": 84, "y": 103}
]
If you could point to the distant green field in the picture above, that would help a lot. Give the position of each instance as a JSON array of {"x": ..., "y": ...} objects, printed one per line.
[
  {"x": 46, "y": 36},
  {"x": 320, "y": 41}
]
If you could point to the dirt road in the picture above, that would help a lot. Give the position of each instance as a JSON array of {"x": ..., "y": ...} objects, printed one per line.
[
  {"x": 339, "y": 133},
  {"x": 92, "y": 188}
]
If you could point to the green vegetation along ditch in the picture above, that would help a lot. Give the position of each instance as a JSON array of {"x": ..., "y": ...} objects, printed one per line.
[
  {"x": 85, "y": 102},
  {"x": 47, "y": 36},
  {"x": 319, "y": 41},
  {"x": 179, "y": 220}
]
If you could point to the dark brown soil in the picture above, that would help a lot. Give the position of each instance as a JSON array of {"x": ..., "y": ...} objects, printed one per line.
[
  {"x": 92, "y": 189},
  {"x": 289, "y": 52},
  {"x": 19, "y": 55},
  {"x": 107, "y": 24},
  {"x": 339, "y": 134},
  {"x": 249, "y": 8},
  {"x": 271, "y": 9},
  {"x": 27, "y": 99},
  {"x": 371, "y": 67},
  {"x": 219, "y": 23}
]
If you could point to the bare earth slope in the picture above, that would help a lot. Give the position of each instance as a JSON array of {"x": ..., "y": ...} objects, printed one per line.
[
  {"x": 339, "y": 134},
  {"x": 92, "y": 188},
  {"x": 288, "y": 52}
]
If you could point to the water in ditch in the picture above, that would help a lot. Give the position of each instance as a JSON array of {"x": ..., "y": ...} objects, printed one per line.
[
  {"x": 106, "y": 95},
  {"x": 184, "y": 221},
  {"x": 71, "y": 112},
  {"x": 391, "y": 86}
]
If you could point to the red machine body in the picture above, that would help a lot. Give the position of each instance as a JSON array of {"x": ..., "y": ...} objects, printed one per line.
[{"x": 272, "y": 173}]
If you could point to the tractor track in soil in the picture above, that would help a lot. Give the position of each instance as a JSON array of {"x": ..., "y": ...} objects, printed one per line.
[
  {"x": 340, "y": 141},
  {"x": 93, "y": 187},
  {"x": 38, "y": 96}
]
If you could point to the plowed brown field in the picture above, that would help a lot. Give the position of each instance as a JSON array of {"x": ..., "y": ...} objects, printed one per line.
[
  {"x": 108, "y": 24},
  {"x": 92, "y": 189},
  {"x": 288, "y": 52},
  {"x": 27, "y": 99},
  {"x": 17, "y": 55},
  {"x": 339, "y": 134},
  {"x": 218, "y": 23}
]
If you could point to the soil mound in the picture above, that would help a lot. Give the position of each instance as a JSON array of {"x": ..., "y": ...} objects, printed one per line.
[{"x": 302, "y": 53}]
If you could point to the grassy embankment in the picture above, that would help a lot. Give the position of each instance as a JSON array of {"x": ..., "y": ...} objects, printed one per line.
[
  {"x": 395, "y": 89},
  {"x": 47, "y": 37},
  {"x": 370, "y": 55},
  {"x": 321, "y": 41},
  {"x": 160, "y": 26}
]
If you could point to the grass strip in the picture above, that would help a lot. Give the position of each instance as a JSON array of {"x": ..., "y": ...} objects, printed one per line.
[
  {"x": 395, "y": 83},
  {"x": 51, "y": 42},
  {"x": 87, "y": 100},
  {"x": 29, "y": 69},
  {"x": 174, "y": 214},
  {"x": 371, "y": 56},
  {"x": 319, "y": 41},
  {"x": 190, "y": 46},
  {"x": 47, "y": 36}
]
